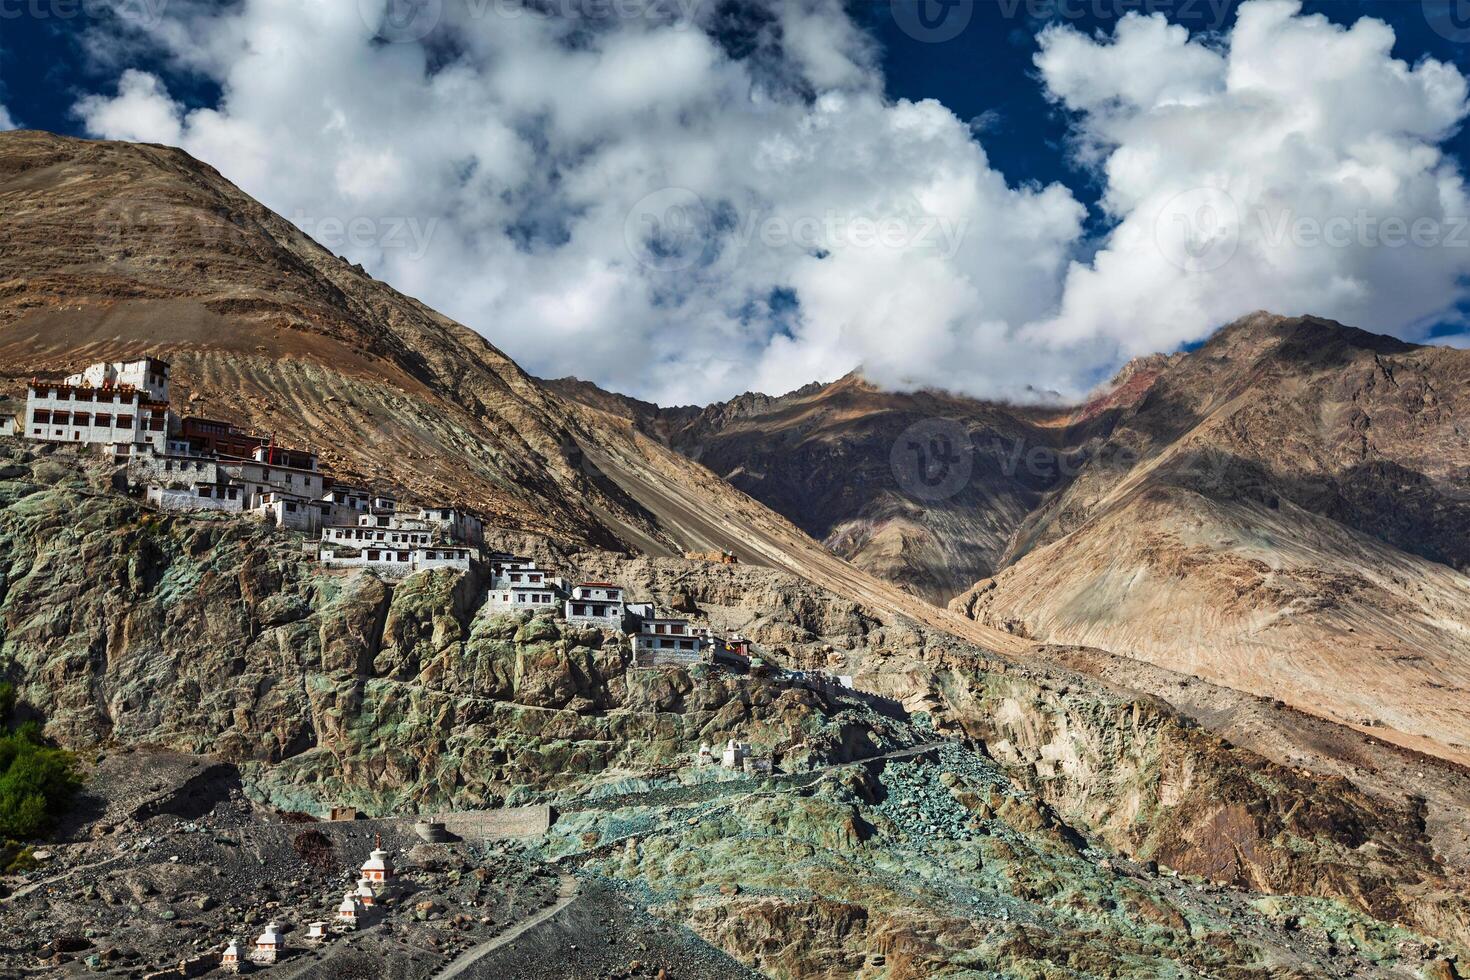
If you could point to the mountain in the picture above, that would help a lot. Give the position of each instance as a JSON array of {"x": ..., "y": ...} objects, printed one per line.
[
  {"x": 117, "y": 249},
  {"x": 977, "y": 800},
  {"x": 840, "y": 462},
  {"x": 1285, "y": 511}
]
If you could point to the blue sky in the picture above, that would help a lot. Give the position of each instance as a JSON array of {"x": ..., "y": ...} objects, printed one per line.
[
  {"x": 1046, "y": 141},
  {"x": 981, "y": 73}
]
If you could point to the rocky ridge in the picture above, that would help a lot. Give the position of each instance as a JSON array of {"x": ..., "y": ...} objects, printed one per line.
[{"x": 208, "y": 634}]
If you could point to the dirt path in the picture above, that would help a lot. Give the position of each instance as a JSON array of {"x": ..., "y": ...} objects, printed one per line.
[
  {"x": 564, "y": 897},
  {"x": 27, "y": 889}
]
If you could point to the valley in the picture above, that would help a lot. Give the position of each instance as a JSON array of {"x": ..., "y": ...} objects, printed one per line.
[{"x": 1170, "y": 683}]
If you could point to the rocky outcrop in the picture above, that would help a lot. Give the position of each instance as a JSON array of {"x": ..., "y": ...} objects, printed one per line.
[
  {"x": 201, "y": 633},
  {"x": 1128, "y": 770}
]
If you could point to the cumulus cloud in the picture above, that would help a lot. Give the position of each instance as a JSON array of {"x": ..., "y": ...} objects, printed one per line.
[
  {"x": 1294, "y": 167},
  {"x": 684, "y": 201},
  {"x": 5, "y": 121}
]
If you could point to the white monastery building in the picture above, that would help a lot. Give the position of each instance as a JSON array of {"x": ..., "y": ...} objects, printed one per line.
[
  {"x": 597, "y": 604},
  {"x": 120, "y": 404},
  {"x": 660, "y": 641}
]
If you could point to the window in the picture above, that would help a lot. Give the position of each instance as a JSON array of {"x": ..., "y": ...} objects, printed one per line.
[
  {"x": 124, "y": 422},
  {"x": 61, "y": 418},
  {"x": 103, "y": 419},
  {"x": 84, "y": 395},
  {"x": 372, "y": 554},
  {"x": 168, "y": 467},
  {"x": 42, "y": 416},
  {"x": 104, "y": 397},
  {"x": 206, "y": 492}
]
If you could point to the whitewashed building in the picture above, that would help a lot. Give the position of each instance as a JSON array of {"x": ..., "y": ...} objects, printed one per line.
[
  {"x": 348, "y": 911},
  {"x": 667, "y": 642},
  {"x": 378, "y": 529},
  {"x": 7, "y": 425},
  {"x": 87, "y": 415},
  {"x": 597, "y": 604},
  {"x": 229, "y": 960},
  {"x": 454, "y": 524},
  {"x": 734, "y": 754},
  {"x": 221, "y": 498},
  {"x": 397, "y": 562},
  {"x": 289, "y": 511},
  {"x": 259, "y": 479},
  {"x": 513, "y": 598},
  {"x": 347, "y": 504},
  {"x": 146, "y": 374},
  {"x": 509, "y": 570},
  {"x": 378, "y": 868}
]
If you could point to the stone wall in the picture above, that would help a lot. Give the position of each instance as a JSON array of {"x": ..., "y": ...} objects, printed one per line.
[{"x": 519, "y": 821}]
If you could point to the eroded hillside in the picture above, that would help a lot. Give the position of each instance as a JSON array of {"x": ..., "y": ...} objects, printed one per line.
[
  {"x": 989, "y": 812},
  {"x": 1284, "y": 512}
]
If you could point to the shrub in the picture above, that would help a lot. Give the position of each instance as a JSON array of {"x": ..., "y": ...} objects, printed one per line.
[{"x": 37, "y": 780}]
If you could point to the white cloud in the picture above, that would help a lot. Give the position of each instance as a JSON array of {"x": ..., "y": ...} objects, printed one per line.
[
  {"x": 5, "y": 121},
  {"x": 1286, "y": 169},
  {"x": 624, "y": 200}
]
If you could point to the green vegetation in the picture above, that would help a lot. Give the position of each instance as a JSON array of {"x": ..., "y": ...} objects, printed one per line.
[{"x": 37, "y": 780}]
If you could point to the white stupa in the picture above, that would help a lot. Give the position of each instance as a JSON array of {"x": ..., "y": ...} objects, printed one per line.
[
  {"x": 268, "y": 944},
  {"x": 349, "y": 910},
  {"x": 365, "y": 892}
]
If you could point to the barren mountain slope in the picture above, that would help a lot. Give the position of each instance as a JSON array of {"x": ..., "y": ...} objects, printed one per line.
[
  {"x": 843, "y": 462},
  {"x": 1283, "y": 514},
  {"x": 113, "y": 249}
]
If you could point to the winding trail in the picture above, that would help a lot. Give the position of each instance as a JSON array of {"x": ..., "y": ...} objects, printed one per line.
[
  {"x": 565, "y": 895},
  {"x": 25, "y": 890}
]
